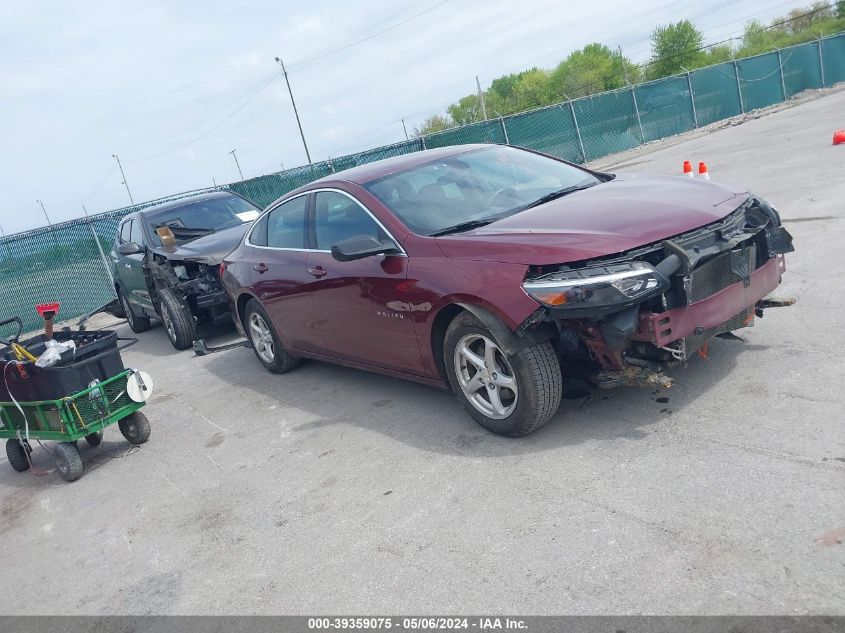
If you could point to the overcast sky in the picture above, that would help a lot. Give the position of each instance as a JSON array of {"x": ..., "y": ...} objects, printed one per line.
[{"x": 84, "y": 80}]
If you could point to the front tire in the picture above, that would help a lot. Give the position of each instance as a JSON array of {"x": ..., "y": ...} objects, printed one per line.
[
  {"x": 136, "y": 323},
  {"x": 135, "y": 428},
  {"x": 510, "y": 395},
  {"x": 68, "y": 462},
  {"x": 265, "y": 340},
  {"x": 178, "y": 320},
  {"x": 16, "y": 454}
]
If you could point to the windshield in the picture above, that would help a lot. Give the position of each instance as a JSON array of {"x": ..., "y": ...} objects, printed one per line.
[
  {"x": 474, "y": 187},
  {"x": 202, "y": 217}
]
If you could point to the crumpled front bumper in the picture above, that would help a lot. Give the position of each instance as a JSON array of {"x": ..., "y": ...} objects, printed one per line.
[{"x": 703, "y": 316}]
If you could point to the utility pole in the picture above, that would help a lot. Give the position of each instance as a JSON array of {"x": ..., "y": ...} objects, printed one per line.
[
  {"x": 235, "y": 156},
  {"x": 295, "y": 111},
  {"x": 481, "y": 98},
  {"x": 124, "y": 179},
  {"x": 624, "y": 69},
  {"x": 404, "y": 129},
  {"x": 45, "y": 212}
]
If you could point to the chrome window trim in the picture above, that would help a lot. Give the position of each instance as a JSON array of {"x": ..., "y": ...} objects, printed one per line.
[{"x": 401, "y": 252}]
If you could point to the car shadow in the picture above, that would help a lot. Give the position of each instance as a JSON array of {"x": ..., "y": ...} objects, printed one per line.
[{"x": 432, "y": 420}]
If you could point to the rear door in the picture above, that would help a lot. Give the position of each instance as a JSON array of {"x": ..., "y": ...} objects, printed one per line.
[
  {"x": 276, "y": 271},
  {"x": 361, "y": 307}
]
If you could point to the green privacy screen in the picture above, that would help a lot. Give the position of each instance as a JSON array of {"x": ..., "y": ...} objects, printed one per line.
[{"x": 63, "y": 263}]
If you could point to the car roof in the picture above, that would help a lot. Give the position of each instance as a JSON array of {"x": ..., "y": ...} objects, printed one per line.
[{"x": 363, "y": 174}]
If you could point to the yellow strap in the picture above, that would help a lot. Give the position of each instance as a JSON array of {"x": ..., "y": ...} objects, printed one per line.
[{"x": 22, "y": 353}]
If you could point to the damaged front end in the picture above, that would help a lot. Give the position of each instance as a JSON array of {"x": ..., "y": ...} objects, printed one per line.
[
  {"x": 196, "y": 283},
  {"x": 627, "y": 317}
]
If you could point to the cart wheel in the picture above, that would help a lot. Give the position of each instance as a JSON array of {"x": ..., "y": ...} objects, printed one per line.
[
  {"x": 16, "y": 453},
  {"x": 135, "y": 428},
  {"x": 94, "y": 439},
  {"x": 68, "y": 461}
]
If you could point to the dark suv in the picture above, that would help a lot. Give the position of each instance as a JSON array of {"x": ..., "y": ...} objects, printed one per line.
[{"x": 166, "y": 258}]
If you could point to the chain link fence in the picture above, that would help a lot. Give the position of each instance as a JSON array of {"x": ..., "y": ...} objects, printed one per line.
[{"x": 63, "y": 262}]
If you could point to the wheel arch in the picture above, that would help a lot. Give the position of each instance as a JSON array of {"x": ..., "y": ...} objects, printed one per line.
[{"x": 511, "y": 342}]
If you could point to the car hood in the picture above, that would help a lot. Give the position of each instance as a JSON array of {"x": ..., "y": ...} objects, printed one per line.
[
  {"x": 610, "y": 218},
  {"x": 208, "y": 249}
]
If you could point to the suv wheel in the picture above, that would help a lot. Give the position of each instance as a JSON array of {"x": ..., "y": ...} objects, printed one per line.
[
  {"x": 510, "y": 395},
  {"x": 178, "y": 320},
  {"x": 265, "y": 341},
  {"x": 136, "y": 323}
]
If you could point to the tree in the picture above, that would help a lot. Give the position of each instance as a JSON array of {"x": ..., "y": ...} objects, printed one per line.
[
  {"x": 840, "y": 9},
  {"x": 432, "y": 124},
  {"x": 467, "y": 110},
  {"x": 675, "y": 48},
  {"x": 594, "y": 68}
]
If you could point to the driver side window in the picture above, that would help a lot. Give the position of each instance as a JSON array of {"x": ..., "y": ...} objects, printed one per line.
[{"x": 338, "y": 217}]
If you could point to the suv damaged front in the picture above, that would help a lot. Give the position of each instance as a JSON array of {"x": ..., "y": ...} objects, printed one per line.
[
  {"x": 189, "y": 263},
  {"x": 627, "y": 317}
]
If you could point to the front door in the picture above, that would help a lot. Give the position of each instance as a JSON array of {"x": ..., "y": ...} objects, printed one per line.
[
  {"x": 130, "y": 268},
  {"x": 360, "y": 307}
]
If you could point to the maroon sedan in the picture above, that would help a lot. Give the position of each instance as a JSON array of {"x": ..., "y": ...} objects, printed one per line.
[{"x": 490, "y": 270}]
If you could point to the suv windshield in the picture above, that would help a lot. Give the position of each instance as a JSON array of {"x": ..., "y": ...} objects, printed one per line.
[
  {"x": 475, "y": 188},
  {"x": 195, "y": 219}
]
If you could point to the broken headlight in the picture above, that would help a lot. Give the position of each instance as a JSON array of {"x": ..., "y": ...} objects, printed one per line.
[{"x": 597, "y": 289}]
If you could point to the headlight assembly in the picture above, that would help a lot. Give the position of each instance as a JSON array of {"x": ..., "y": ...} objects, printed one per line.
[{"x": 597, "y": 290}]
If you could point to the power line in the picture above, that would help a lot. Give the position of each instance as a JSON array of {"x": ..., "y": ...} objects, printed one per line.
[
  {"x": 368, "y": 38},
  {"x": 252, "y": 98}
]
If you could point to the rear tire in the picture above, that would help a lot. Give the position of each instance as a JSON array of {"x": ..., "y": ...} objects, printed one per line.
[
  {"x": 135, "y": 428},
  {"x": 510, "y": 395},
  {"x": 178, "y": 320},
  {"x": 136, "y": 323},
  {"x": 68, "y": 462},
  {"x": 16, "y": 454},
  {"x": 265, "y": 340}
]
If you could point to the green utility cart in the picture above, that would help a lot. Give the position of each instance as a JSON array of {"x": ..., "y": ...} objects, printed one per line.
[{"x": 86, "y": 391}]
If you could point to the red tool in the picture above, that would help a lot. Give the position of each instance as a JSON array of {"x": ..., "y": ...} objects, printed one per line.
[
  {"x": 838, "y": 137},
  {"x": 48, "y": 312}
]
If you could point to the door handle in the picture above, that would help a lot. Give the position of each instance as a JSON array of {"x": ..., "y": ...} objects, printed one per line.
[
  {"x": 318, "y": 272},
  {"x": 261, "y": 268}
]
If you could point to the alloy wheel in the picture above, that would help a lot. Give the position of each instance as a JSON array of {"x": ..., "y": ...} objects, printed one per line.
[
  {"x": 261, "y": 337},
  {"x": 485, "y": 376}
]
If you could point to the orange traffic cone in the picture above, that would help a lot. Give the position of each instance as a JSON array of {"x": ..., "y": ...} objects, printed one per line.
[
  {"x": 702, "y": 171},
  {"x": 838, "y": 137},
  {"x": 687, "y": 168}
]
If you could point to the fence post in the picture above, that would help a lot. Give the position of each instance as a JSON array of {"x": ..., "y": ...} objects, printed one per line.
[
  {"x": 422, "y": 138},
  {"x": 577, "y": 131},
  {"x": 821, "y": 62},
  {"x": 739, "y": 88},
  {"x": 782, "y": 82},
  {"x": 637, "y": 110},
  {"x": 504, "y": 129},
  {"x": 99, "y": 248},
  {"x": 692, "y": 100}
]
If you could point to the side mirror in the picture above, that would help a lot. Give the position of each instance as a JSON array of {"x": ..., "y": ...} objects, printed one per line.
[
  {"x": 129, "y": 248},
  {"x": 361, "y": 246}
]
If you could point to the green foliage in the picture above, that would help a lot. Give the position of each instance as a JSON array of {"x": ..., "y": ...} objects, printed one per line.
[
  {"x": 432, "y": 124},
  {"x": 595, "y": 68},
  {"x": 804, "y": 25},
  {"x": 675, "y": 48},
  {"x": 466, "y": 111}
]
